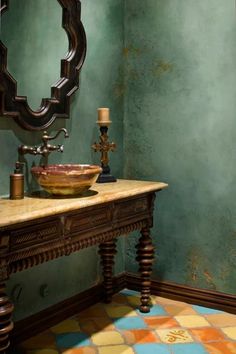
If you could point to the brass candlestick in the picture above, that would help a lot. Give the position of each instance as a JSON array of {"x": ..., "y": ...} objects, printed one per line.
[{"x": 104, "y": 146}]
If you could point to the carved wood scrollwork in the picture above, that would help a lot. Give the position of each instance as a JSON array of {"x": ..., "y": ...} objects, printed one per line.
[{"x": 58, "y": 106}]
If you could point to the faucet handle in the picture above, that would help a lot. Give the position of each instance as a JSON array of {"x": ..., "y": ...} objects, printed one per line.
[{"x": 60, "y": 148}]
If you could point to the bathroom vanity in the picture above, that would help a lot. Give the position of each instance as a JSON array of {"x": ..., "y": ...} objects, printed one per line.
[{"x": 39, "y": 228}]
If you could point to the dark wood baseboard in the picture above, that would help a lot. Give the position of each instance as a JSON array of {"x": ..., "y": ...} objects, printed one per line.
[
  {"x": 202, "y": 297},
  {"x": 49, "y": 317}
]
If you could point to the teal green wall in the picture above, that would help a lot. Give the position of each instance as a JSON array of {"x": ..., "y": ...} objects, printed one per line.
[
  {"x": 171, "y": 89},
  {"x": 180, "y": 127},
  {"x": 100, "y": 85}
]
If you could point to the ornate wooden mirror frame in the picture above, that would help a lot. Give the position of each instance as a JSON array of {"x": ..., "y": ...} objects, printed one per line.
[{"x": 58, "y": 105}]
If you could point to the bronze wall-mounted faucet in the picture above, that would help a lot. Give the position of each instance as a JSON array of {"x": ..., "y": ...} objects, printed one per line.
[{"x": 45, "y": 149}]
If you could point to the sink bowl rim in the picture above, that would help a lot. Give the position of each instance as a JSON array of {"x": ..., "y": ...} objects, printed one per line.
[{"x": 66, "y": 169}]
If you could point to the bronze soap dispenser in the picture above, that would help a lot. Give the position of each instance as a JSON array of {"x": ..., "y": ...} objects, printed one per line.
[{"x": 17, "y": 183}]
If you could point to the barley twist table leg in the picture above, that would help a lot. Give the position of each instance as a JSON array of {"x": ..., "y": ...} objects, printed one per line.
[
  {"x": 6, "y": 324},
  {"x": 107, "y": 251},
  {"x": 145, "y": 257}
]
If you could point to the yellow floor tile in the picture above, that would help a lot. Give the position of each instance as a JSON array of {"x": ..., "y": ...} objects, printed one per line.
[
  {"x": 172, "y": 336},
  {"x": 96, "y": 310},
  {"x": 66, "y": 327},
  {"x": 107, "y": 338},
  {"x": 191, "y": 321},
  {"x": 116, "y": 349},
  {"x": 222, "y": 320},
  {"x": 163, "y": 300},
  {"x": 120, "y": 311},
  {"x": 230, "y": 332}
]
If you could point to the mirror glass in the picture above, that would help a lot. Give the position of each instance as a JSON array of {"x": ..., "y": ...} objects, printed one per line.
[{"x": 36, "y": 43}]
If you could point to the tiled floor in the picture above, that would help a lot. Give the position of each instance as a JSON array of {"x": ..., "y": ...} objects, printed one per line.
[{"x": 119, "y": 328}]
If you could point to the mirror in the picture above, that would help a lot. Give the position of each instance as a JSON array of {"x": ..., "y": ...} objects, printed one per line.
[
  {"x": 36, "y": 64},
  {"x": 40, "y": 59}
]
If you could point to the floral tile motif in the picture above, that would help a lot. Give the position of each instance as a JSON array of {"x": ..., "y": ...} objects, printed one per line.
[
  {"x": 174, "y": 335},
  {"x": 171, "y": 327}
]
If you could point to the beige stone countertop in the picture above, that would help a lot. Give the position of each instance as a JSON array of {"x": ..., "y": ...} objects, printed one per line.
[{"x": 42, "y": 204}]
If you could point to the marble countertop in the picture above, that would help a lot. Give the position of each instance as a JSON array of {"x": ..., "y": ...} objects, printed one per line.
[{"x": 41, "y": 205}]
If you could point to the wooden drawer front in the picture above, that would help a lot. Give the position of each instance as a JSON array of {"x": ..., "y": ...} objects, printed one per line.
[
  {"x": 132, "y": 207},
  {"x": 85, "y": 221},
  {"x": 35, "y": 234}
]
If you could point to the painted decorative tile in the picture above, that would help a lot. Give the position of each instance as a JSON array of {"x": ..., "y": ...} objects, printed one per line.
[
  {"x": 161, "y": 322},
  {"x": 207, "y": 334},
  {"x": 70, "y": 325},
  {"x": 221, "y": 348},
  {"x": 192, "y": 321},
  {"x": 192, "y": 348},
  {"x": 41, "y": 341},
  {"x": 155, "y": 310},
  {"x": 222, "y": 320},
  {"x": 107, "y": 338},
  {"x": 230, "y": 332},
  {"x": 177, "y": 335},
  {"x": 176, "y": 310},
  {"x": 120, "y": 311},
  {"x": 205, "y": 310},
  {"x": 130, "y": 323},
  {"x": 72, "y": 340},
  {"x": 116, "y": 349},
  {"x": 151, "y": 349},
  {"x": 137, "y": 336}
]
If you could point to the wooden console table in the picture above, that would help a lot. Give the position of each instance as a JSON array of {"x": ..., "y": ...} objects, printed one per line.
[{"x": 38, "y": 229}]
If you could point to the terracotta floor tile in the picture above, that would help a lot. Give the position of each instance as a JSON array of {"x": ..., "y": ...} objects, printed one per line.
[
  {"x": 163, "y": 300},
  {"x": 83, "y": 350},
  {"x": 176, "y": 310},
  {"x": 207, "y": 334},
  {"x": 222, "y": 320},
  {"x": 161, "y": 322},
  {"x": 221, "y": 348},
  {"x": 140, "y": 336}
]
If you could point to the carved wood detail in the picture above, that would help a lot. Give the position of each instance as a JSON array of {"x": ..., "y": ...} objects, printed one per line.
[
  {"x": 145, "y": 257},
  {"x": 107, "y": 251},
  {"x": 58, "y": 106},
  {"x": 6, "y": 324},
  {"x": 37, "y": 241}
]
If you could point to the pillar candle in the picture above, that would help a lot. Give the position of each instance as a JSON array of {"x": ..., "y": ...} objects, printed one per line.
[{"x": 103, "y": 116}]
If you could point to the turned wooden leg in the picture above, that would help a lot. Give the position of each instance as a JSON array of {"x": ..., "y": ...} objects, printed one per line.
[
  {"x": 6, "y": 324},
  {"x": 145, "y": 256},
  {"x": 107, "y": 251}
]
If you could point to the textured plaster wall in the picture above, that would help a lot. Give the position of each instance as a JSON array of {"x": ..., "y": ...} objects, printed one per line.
[
  {"x": 180, "y": 127},
  {"x": 100, "y": 85}
]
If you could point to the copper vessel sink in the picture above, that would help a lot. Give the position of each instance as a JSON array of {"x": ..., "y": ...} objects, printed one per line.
[{"x": 68, "y": 179}]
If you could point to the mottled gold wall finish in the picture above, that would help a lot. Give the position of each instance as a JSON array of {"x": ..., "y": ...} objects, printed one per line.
[{"x": 180, "y": 127}]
